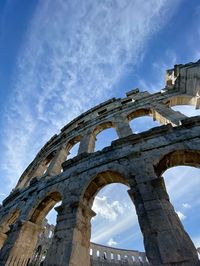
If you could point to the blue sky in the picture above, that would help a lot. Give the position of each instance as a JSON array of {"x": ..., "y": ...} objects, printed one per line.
[{"x": 59, "y": 58}]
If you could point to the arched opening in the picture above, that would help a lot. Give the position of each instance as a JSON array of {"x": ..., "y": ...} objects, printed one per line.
[
  {"x": 181, "y": 172},
  {"x": 188, "y": 110},
  {"x": 39, "y": 170},
  {"x": 44, "y": 207},
  {"x": 51, "y": 165},
  {"x": 72, "y": 148},
  {"x": 181, "y": 100},
  {"x": 44, "y": 165},
  {"x": 184, "y": 104},
  {"x": 141, "y": 124},
  {"x": 73, "y": 151},
  {"x": 115, "y": 224},
  {"x": 142, "y": 120},
  {"x": 102, "y": 136},
  {"x": 27, "y": 235},
  {"x": 177, "y": 158},
  {"x": 45, "y": 215},
  {"x": 45, "y": 238}
]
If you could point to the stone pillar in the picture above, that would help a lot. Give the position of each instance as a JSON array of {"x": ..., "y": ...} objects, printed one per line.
[
  {"x": 20, "y": 243},
  {"x": 122, "y": 127},
  {"x": 56, "y": 164},
  {"x": 87, "y": 143},
  {"x": 165, "y": 115},
  {"x": 71, "y": 240},
  {"x": 165, "y": 240}
]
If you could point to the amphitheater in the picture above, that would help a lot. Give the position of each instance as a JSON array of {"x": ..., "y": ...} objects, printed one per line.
[{"x": 136, "y": 160}]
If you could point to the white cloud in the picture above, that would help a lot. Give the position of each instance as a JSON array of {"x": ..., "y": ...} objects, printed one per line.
[
  {"x": 111, "y": 242},
  {"x": 73, "y": 56},
  {"x": 186, "y": 205},
  {"x": 181, "y": 215},
  {"x": 109, "y": 211},
  {"x": 2, "y": 194},
  {"x": 182, "y": 183},
  {"x": 102, "y": 233},
  {"x": 126, "y": 221}
]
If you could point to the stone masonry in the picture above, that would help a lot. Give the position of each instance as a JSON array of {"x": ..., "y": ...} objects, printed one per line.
[
  {"x": 136, "y": 160},
  {"x": 99, "y": 255}
]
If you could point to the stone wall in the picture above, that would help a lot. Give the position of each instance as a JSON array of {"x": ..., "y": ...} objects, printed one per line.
[{"x": 102, "y": 256}]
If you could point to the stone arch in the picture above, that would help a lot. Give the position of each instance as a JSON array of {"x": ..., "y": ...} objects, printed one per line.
[
  {"x": 178, "y": 157},
  {"x": 71, "y": 143},
  {"x": 38, "y": 213},
  {"x": 146, "y": 112},
  {"x": 103, "y": 126},
  {"x": 59, "y": 156},
  {"x": 181, "y": 104},
  {"x": 98, "y": 129},
  {"x": 46, "y": 162},
  {"x": 181, "y": 157},
  {"x": 49, "y": 164},
  {"x": 26, "y": 231},
  {"x": 99, "y": 181},
  {"x": 83, "y": 213},
  {"x": 139, "y": 113},
  {"x": 181, "y": 99},
  {"x": 40, "y": 169}
]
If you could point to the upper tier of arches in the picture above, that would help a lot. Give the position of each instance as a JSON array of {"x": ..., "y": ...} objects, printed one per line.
[{"x": 116, "y": 114}]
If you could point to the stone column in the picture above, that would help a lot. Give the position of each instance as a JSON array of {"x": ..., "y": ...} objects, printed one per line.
[
  {"x": 166, "y": 115},
  {"x": 71, "y": 241},
  {"x": 165, "y": 240},
  {"x": 20, "y": 243},
  {"x": 87, "y": 143},
  {"x": 122, "y": 127},
  {"x": 56, "y": 164}
]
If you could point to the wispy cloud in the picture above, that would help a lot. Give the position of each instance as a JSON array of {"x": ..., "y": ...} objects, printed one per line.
[
  {"x": 110, "y": 211},
  {"x": 186, "y": 205},
  {"x": 75, "y": 52},
  {"x": 179, "y": 187},
  {"x": 115, "y": 215},
  {"x": 103, "y": 233},
  {"x": 111, "y": 242}
]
